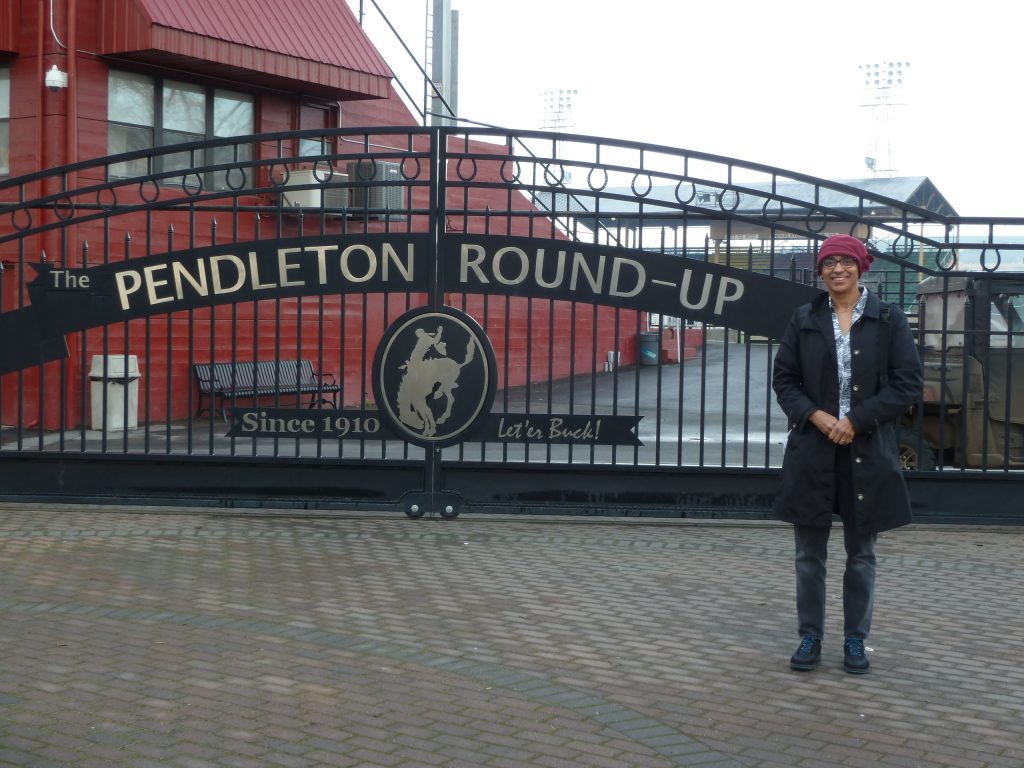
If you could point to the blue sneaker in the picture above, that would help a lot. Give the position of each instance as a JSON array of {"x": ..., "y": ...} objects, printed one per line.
[
  {"x": 855, "y": 658},
  {"x": 806, "y": 657}
]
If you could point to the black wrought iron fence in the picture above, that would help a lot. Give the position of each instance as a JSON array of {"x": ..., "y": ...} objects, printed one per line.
[{"x": 629, "y": 295}]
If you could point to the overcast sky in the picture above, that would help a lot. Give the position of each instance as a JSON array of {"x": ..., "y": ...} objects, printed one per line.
[{"x": 775, "y": 83}]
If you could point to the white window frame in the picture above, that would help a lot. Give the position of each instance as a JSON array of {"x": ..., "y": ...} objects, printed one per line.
[{"x": 5, "y": 121}]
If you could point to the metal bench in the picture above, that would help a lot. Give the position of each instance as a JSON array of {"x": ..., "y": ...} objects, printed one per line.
[{"x": 222, "y": 382}]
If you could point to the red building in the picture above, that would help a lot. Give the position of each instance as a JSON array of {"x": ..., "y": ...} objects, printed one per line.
[{"x": 84, "y": 79}]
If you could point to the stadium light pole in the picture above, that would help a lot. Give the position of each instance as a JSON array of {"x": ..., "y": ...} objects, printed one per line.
[{"x": 883, "y": 84}]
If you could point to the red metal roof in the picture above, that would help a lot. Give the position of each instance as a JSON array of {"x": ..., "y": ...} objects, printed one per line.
[{"x": 315, "y": 46}]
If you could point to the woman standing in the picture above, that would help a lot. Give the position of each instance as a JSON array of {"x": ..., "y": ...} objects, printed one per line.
[{"x": 846, "y": 369}]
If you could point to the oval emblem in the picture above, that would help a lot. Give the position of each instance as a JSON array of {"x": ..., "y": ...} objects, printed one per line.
[{"x": 434, "y": 376}]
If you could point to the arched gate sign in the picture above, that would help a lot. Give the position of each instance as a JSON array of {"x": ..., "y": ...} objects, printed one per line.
[{"x": 428, "y": 320}]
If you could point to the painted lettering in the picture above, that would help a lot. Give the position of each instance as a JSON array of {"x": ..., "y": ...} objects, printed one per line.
[
  {"x": 152, "y": 284},
  {"x": 264, "y": 270},
  {"x": 254, "y": 272},
  {"x": 179, "y": 270},
  {"x": 391, "y": 256},
  {"x": 684, "y": 291},
  {"x": 579, "y": 264},
  {"x": 346, "y": 267},
  {"x": 465, "y": 264},
  {"x": 641, "y": 277},
  {"x": 265, "y": 423},
  {"x": 524, "y": 265},
  {"x": 66, "y": 279},
  {"x": 321, "y": 260},
  {"x": 556, "y": 431},
  {"x": 217, "y": 273},
  {"x": 128, "y": 282},
  {"x": 730, "y": 289},
  {"x": 250, "y": 421},
  {"x": 538, "y": 273},
  {"x": 284, "y": 266},
  {"x": 513, "y": 431}
]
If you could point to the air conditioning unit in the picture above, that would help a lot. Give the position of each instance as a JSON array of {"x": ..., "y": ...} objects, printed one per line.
[
  {"x": 381, "y": 194},
  {"x": 330, "y": 191}
]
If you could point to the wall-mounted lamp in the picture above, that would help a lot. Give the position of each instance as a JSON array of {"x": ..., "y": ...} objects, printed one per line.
[{"x": 55, "y": 79}]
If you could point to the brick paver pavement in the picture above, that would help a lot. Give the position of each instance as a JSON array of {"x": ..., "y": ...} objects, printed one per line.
[{"x": 184, "y": 639}]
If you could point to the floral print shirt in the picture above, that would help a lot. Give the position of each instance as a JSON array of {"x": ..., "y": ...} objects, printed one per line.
[{"x": 844, "y": 357}]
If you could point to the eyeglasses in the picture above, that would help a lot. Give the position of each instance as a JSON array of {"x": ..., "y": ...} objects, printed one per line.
[{"x": 848, "y": 262}]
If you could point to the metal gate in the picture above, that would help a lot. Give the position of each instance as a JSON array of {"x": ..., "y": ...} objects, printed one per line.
[{"x": 433, "y": 320}]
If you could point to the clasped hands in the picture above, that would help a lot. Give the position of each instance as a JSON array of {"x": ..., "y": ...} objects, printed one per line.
[{"x": 839, "y": 431}]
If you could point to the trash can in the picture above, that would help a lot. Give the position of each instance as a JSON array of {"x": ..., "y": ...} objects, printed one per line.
[
  {"x": 118, "y": 382},
  {"x": 648, "y": 348}
]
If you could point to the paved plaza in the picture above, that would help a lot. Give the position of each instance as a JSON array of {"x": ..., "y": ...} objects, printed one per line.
[{"x": 184, "y": 638}]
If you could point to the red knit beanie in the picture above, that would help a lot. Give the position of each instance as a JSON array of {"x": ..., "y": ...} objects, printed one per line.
[{"x": 838, "y": 246}]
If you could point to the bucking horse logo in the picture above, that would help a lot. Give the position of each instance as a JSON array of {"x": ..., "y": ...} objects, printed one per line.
[{"x": 429, "y": 375}]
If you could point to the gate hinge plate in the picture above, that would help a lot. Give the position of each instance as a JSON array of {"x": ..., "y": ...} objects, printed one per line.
[{"x": 447, "y": 504}]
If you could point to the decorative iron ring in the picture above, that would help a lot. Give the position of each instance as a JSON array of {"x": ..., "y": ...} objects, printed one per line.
[
  {"x": 64, "y": 213},
  {"x": 14, "y": 219},
  {"x": 809, "y": 221},
  {"x": 370, "y": 162},
  {"x": 907, "y": 253},
  {"x": 517, "y": 170},
  {"x": 638, "y": 193},
  {"x": 273, "y": 179},
  {"x": 590, "y": 180},
  {"x": 189, "y": 190},
  {"x": 149, "y": 183},
  {"x": 458, "y": 168},
  {"x": 113, "y": 199},
  {"x": 947, "y": 266},
  {"x": 769, "y": 217},
  {"x": 316, "y": 171},
  {"x": 416, "y": 162},
  {"x": 721, "y": 198},
  {"x": 994, "y": 267},
  {"x": 227, "y": 178},
  {"x": 692, "y": 196},
  {"x": 550, "y": 179}
]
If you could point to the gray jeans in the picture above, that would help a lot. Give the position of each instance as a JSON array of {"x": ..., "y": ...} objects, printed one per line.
[
  {"x": 859, "y": 576},
  {"x": 858, "y": 580}
]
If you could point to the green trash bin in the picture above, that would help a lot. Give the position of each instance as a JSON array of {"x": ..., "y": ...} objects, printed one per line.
[{"x": 648, "y": 348}]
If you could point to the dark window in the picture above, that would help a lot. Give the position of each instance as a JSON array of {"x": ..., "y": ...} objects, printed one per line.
[
  {"x": 145, "y": 112},
  {"x": 313, "y": 115}
]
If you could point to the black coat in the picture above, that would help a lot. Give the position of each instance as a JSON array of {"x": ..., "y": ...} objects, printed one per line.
[{"x": 805, "y": 379}]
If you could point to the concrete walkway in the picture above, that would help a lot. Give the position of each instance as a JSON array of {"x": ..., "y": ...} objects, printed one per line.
[{"x": 188, "y": 638}]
